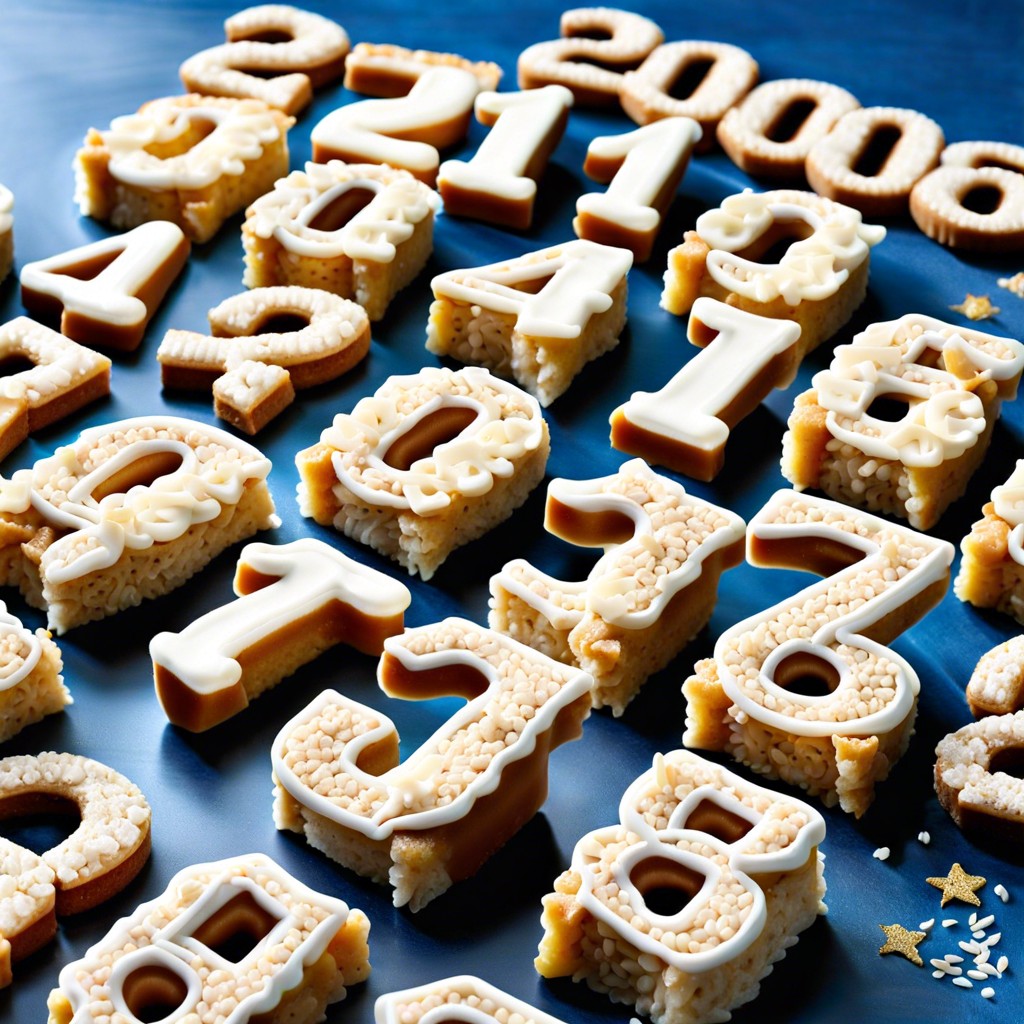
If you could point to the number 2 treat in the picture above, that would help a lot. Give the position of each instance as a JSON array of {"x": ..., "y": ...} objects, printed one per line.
[
  {"x": 902, "y": 417},
  {"x": 361, "y": 231},
  {"x": 193, "y": 160},
  {"x": 650, "y": 593},
  {"x": 538, "y": 318},
  {"x": 237, "y": 940},
  {"x": 128, "y": 511},
  {"x": 434, "y": 818},
  {"x": 427, "y": 463},
  {"x": 818, "y": 281},
  {"x": 992, "y": 568},
  {"x": 808, "y": 691},
  {"x": 683, "y": 907}
]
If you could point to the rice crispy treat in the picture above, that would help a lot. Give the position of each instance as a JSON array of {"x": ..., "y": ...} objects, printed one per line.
[
  {"x": 902, "y": 417},
  {"x": 653, "y": 589},
  {"x": 426, "y": 464},
  {"x": 128, "y": 511},
  {"x": 992, "y": 568},
  {"x": 6, "y": 231},
  {"x": 361, "y": 231},
  {"x": 818, "y": 282},
  {"x": 193, "y": 160},
  {"x": 434, "y": 818},
  {"x": 302, "y": 949},
  {"x": 295, "y": 601},
  {"x": 538, "y": 318},
  {"x": 734, "y": 875},
  {"x": 808, "y": 691},
  {"x": 28, "y": 918},
  {"x": 472, "y": 999},
  {"x": 996, "y": 686},
  {"x": 31, "y": 684},
  {"x": 976, "y": 777},
  {"x": 249, "y": 394}
]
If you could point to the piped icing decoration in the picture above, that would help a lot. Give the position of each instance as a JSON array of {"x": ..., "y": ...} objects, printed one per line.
[
  {"x": 168, "y": 945},
  {"x": 1008, "y": 504},
  {"x": 111, "y": 843},
  {"x": 211, "y": 469},
  {"x": 934, "y": 368},
  {"x": 6, "y": 231},
  {"x": 685, "y": 425},
  {"x": 499, "y": 183},
  {"x": 745, "y": 876},
  {"x": 996, "y": 686},
  {"x": 63, "y": 377},
  {"x": 812, "y": 268},
  {"x": 748, "y": 698},
  {"x": 105, "y": 293},
  {"x": 658, "y": 543},
  {"x": 464, "y": 998},
  {"x": 340, "y": 781},
  {"x": 293, "y": 599},
  {"x": 728, "y": 74},
  {"x": 274, "y": 53},
  {"x": 598, "y": 45},
  {"x": 643, "y": 168},
  {"x": 28, "y": 919}
]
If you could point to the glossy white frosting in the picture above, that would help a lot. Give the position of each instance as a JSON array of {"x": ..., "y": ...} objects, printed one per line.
[
  {"x": 6, "y": 209},
  {"x": 22, "y": 653},
  {"x": 1008, "y": 499}
]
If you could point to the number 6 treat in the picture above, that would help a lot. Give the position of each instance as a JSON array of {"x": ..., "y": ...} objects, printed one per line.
[
  {"x": 429, "y": 462},
  {"x": 434, "y": 818},
  {"x": 129, "y": 511},
  {"x": 902, "y": 417},
  {"x": 808, "y": 691},
  {"x": 237, "y": 940},
  {"x": 682, "y": 908}
]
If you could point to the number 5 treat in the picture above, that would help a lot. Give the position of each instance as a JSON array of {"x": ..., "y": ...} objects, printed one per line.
[
  {"x": 295, "y": 601},
  {"x": 434, "y": 818},
  {"x": 361, "y": 231},
  {"x": 808, "y": 691},
  {"x": 650, "y": 593},
  {"x": 429, "y": 462},
  {"x": 129, "y": 511},
  {"x": 237, "y": 940},
  {"x": 193, "y": 160},
  {"x": 902, "y": 417},
  {"x": 992, "y": 568},
  {"x": 682, "y": 908},
  {"x": 819, "y": 279}
]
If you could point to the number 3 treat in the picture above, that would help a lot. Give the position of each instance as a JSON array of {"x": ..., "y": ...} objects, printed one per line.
[
  {"x": 127, "y": 512},
  {"x": 428, "y": 463},
  {"x": 682, "y": 908},
  {"x": 236, "y": 940},
  {"x": 818, "y": 281},
  {"x": 434, "y": 818}
]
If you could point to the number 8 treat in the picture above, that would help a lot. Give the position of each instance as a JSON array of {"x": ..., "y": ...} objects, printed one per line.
[{"x": 807, "y": 691}]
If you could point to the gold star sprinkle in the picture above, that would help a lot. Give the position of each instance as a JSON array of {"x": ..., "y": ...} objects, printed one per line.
[
  {"x": 976, "y": 307},
  {"x": 958, "y": 885},
  {"x": 899, "y": 940},
  {"x": 1013, "y": 284}
]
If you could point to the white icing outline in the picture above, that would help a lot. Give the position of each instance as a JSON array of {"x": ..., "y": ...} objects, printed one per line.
[
  {"x": 11, "y": 625},
  {"x": 386, "y": 1008}
]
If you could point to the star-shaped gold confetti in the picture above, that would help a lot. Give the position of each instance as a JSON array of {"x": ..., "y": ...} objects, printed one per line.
[
  {"x": 976, "y": 307},
  {"x": 1013, "y": 284},
  {"x": 899, "y": 940},
  {"x": 958, "y": 885}
]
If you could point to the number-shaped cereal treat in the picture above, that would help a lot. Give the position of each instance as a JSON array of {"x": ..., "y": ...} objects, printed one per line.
[
  {"x": 650, "y": 593},
  {"x": 733, "y": 255},
  {"x": 361, "y": 231},
  {"x": 295, "y": 601},
  {"x": 274, "y": 53},
  {"x": 434, "y": 818},
  {"x": 598, "y": 46},
  {"x": 237, "y": 940},
  {"x": 6, "y": 231},
  {"x": 128, "y": 511},
  {"x": 463, "y": 998},
  {"x": 682, "y": 908},
  {"x": 429, "y": 462},
  {"x": 538, "y": 318},
  {"x": 808, "y": 691},
  {"x": 996, "y": 686},
  {"x": 902, "y": 417},
  {"x": 193, "y": 160},
  {"x": 105, "y": 293},
  {"x": 992, "y": 568}
]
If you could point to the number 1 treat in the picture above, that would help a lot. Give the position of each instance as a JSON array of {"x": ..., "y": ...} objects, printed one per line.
[{"x": 128, "y": 511}]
